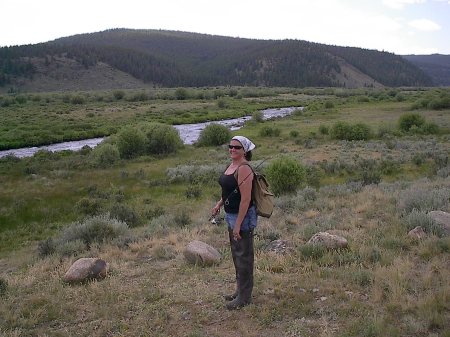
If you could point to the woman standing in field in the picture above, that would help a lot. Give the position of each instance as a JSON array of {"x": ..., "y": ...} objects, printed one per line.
[{"x": 240, "y": 215}]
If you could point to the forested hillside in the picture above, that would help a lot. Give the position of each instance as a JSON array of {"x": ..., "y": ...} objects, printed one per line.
[
  {"x": 171, "y": 59},
  {"x": 437, "y": 66}
]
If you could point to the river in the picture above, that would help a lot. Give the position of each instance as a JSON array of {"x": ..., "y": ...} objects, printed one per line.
[{"x": 189, "y": 133}]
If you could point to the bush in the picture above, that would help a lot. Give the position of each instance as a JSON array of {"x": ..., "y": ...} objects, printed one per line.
[
  {"x": 96, "y": 229},
  {"x": 294, "y": 133},
  {"x": 125, "y": 214},
  {"x": 161, "y": 139},
  {"x": 105, "y": 155},
  {"x": 3, "y": 287},
  {"x": 182, "y": 219},
  {"x": 118, "y": 94},
  {"x": 424, "y": 200},
  {"x": 324, "y": 130},
  {"x": 214, "y": 135},
  {"x": 407, "y": 121},
  {"x": 77, "y": 100},
  {"x": 88, "y": 206},
  {"x": 285, "y": 175},
  {"x": 329, "y": 105},
  {"x": 131, "y": 143},
  {"x": 345, "y": 131},
  {"x": 258, "y": 116},
  {"x": 421, "y": 218},
  {"x": 181, "y": 94},
  {"x": 268, "y": 131}
]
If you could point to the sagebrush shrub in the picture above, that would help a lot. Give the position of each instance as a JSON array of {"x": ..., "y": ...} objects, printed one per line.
[
  {"x": 424, "y": 199},
  {"x": 285, "y": 175},
  {"x": 422, "y": 219},
  {"x": 214, "y": 135},
  {"x": 125, "y": 214},
  {"x": 346, "y": 131},
  {"x": 100, "y": 228},
  {"x": 88, "y": 206}
]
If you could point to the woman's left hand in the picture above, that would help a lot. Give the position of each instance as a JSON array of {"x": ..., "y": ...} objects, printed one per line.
[{"x": 236, "y": 234}]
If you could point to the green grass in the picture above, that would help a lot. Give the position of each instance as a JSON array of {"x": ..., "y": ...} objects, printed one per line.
[{"x": 384, "y": 284}]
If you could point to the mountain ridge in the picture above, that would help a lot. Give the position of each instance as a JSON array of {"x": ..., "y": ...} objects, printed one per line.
[{"x": 172, "y": 59}]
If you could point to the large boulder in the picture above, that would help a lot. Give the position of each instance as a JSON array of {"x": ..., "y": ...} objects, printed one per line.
[
  {"x": 329, "y": 241},
  {"x": 198, "y": 252},
  {"x": 85, "y": 269},
  {"x": 441, "y": 218}
]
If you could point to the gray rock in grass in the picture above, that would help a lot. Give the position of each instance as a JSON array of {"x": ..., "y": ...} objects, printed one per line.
[
  {"x": 329, "y": 241},
  {"x": 417, "y": 233},
  {"x": 198, "y": 252},
  {"x": 85, "y": 269}
]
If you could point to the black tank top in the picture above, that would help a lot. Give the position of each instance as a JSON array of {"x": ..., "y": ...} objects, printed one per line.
[{"x": 231, "y": 195}]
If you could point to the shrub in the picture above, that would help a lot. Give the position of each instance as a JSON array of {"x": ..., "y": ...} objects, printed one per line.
[
  {"x": 285, "y": 175},
  {"x": 293, "y": 133},
  {"x": 125, "y": 214},
  {"x": 324, "y": 130},
  {"x": 131, "y": 143},
  {"x": 161, "y": 138},
  {"x": 421, "y": 218},
  {"x": 258, "y": 116},
  {"x": 268, "y": 131},
  {"x": 329, "y": 105},
  {"x": 193, "y": 191},
  {"x": 105, "y": 155},
  {"x": 221, "y": 103},
  {"x": 118, "y": 94},
  {"x": 181, "y": 94},
  {"x": 3, "y": 287},
  {"x": 407, "y": 121},
  {"x": 46, "y": 247},
  {"x": 77, "y": 100},
  {"x": 213, "y": 135},
  {"x": 424, "y": 200},
  {"x": 345, "y": 131},
  {"x": 182, "y": 219},
  {"x": 99, "y": 229},
  {"x": 429, "y": 128},
  {"x": 88, "y": 206}
]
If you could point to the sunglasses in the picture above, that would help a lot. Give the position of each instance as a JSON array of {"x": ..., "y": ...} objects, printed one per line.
[{"x": 236, "y": 147}]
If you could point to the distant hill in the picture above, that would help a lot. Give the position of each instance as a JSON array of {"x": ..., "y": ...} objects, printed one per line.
[
  {"x": 133, "y": 58},
  {"x": 437, "y": 66}
]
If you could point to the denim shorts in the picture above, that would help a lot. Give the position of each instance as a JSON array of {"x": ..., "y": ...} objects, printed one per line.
[{"x": 248, "y": 223}]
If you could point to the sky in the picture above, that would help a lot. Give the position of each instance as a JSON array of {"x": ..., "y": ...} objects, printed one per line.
[{"x": 397, "y": 26}]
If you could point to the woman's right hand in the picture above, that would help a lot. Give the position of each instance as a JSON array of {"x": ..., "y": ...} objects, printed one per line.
[{"x": 215, "y": 210}]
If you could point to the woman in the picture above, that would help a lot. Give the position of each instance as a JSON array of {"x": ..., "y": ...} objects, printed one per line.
[{"x": 240, "y": 215}]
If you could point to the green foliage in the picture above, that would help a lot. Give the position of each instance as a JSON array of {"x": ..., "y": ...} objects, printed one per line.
[
  {"x": 125, "y": 214},
  {"x": 78, "y": 99},
  {"x": 324, "y": 130},
  {"x": 257, "y": 117},
  {"x": 131, "y": 142},
  {"x": 182, "y": 219},
  {"x": 181, "y": 94},
  {"x": 105, "y": 155},
  {"x": 88, "y": 206},
  {"x": 285, "y": 175},
  {"x": 346, "y": 131},
  {"x": 269, "y": 131},
  {"x": 161, "y": 139},
  {"x": 407, "y": 121},
  {"x": 213, "y": 135},
  {"x": 118, "y": 94}
]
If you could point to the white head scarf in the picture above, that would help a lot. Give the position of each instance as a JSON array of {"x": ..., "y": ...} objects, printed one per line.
[{"x": 246, "y": 143}]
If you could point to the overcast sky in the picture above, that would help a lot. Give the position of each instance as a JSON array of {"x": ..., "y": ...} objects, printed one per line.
[{"x": 398, "y": 26}]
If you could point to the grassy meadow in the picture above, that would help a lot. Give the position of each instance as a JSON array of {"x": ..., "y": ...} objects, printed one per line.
[{"x": 372, "y": 190}]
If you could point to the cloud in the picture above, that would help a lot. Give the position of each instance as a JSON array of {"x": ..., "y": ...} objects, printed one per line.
[
  {"x": 400, "y": 4},
  {"x": 425, "y": 25}
]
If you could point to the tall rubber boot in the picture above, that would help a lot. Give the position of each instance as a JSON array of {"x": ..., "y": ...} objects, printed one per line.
[
  {"x": 243, "y": 257},
  {"x": 231, "y": 297}
]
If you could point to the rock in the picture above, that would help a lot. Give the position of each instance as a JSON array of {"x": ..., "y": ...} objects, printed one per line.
[
  {"x": 441, "y": 218},
  {"x": 86, "y": 269},
  {"x": 417, "y": 233},
  {"x": 329, "y": 241},
  {"x": 198, "y": 252},
  {"x": 278, "y": 246}
]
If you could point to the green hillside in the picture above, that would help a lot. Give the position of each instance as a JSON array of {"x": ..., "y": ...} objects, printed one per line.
[{"x": 173, "y": 59}]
